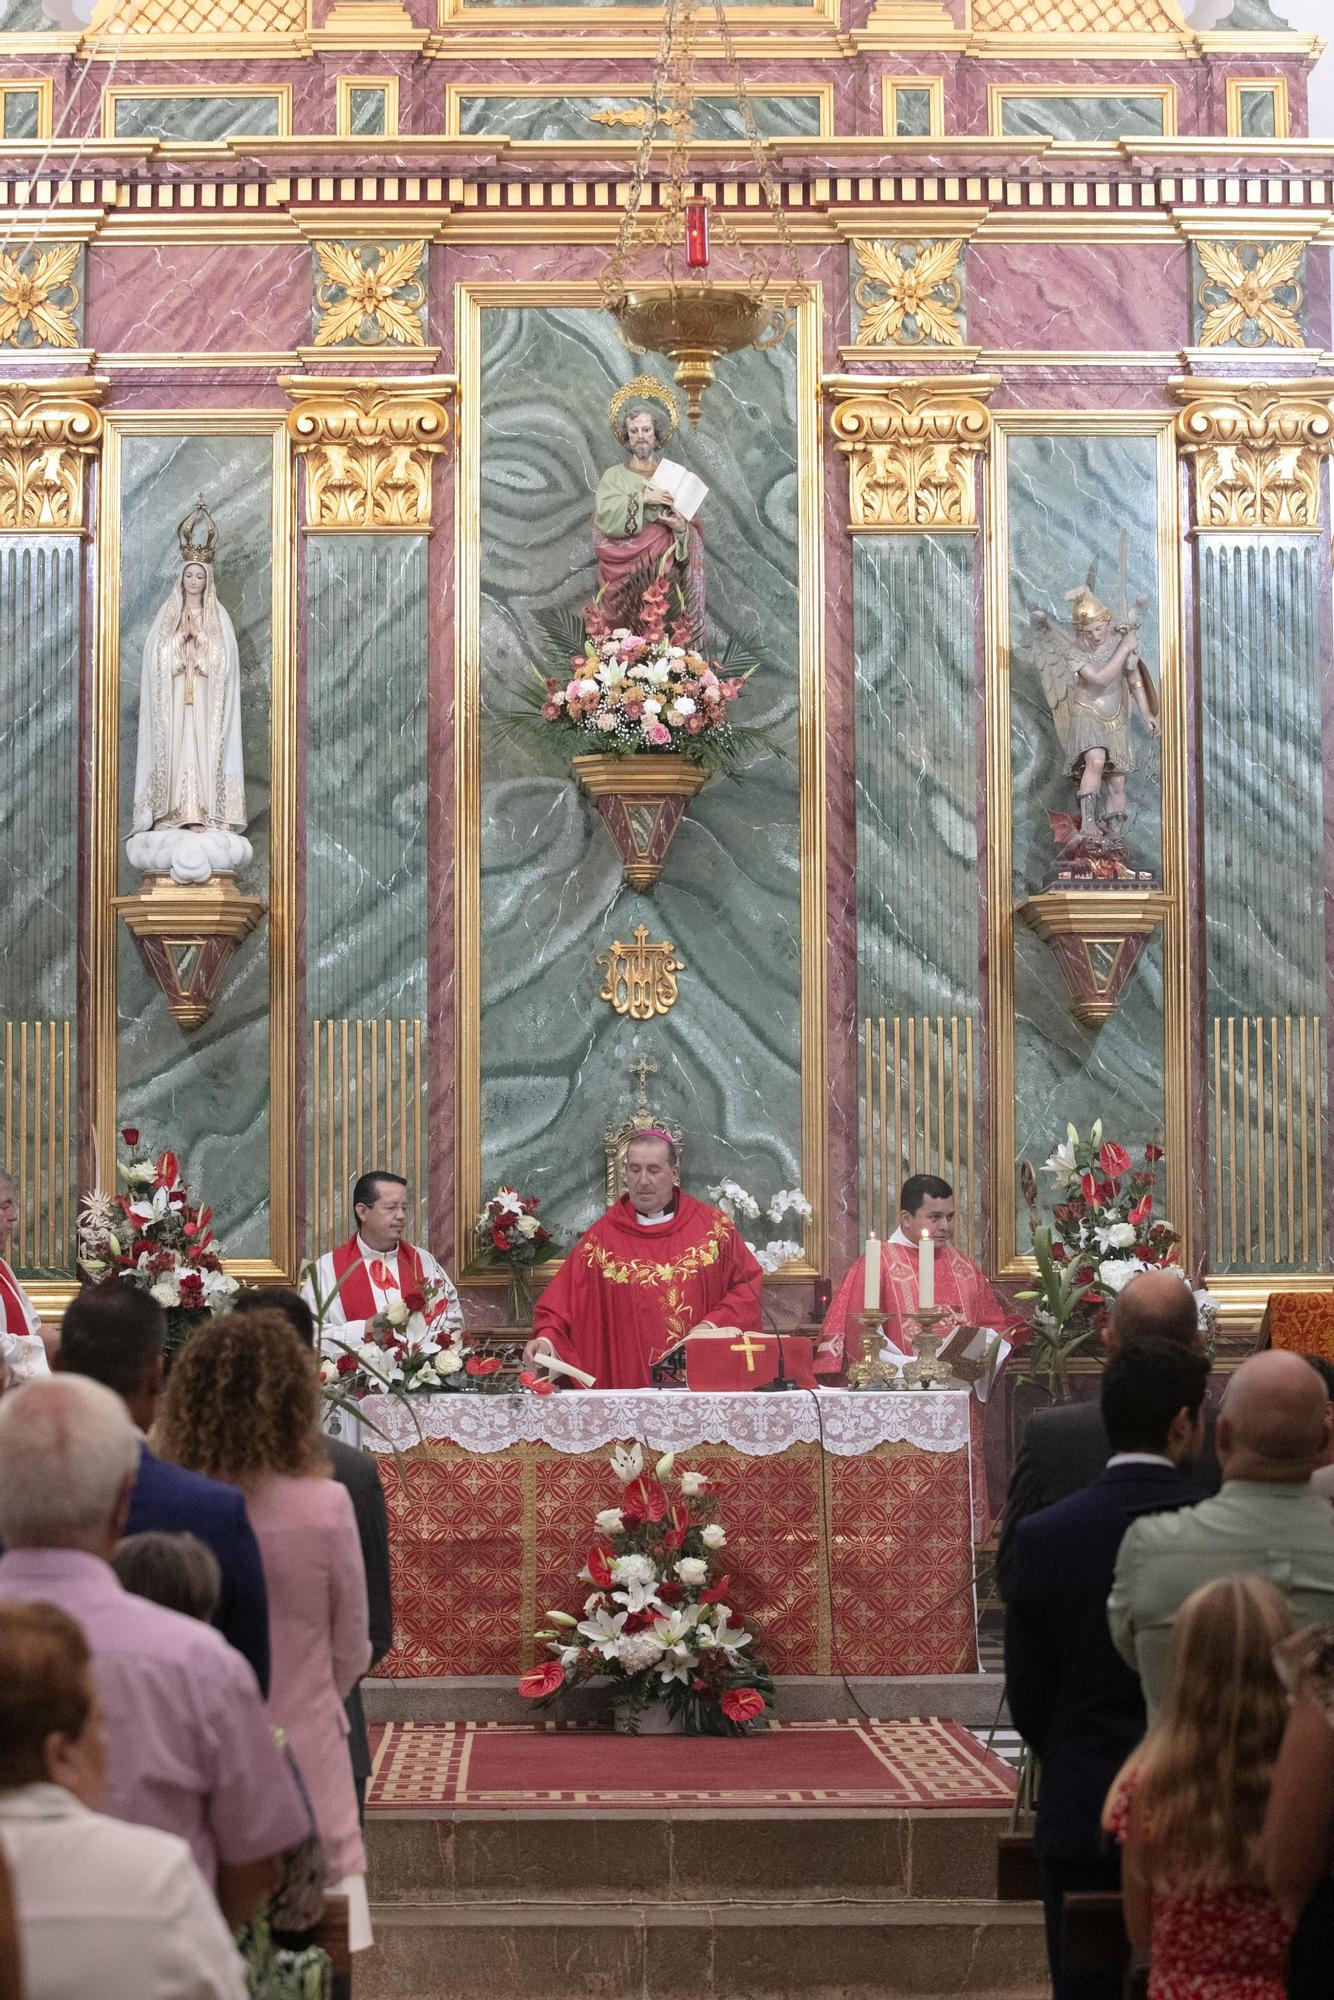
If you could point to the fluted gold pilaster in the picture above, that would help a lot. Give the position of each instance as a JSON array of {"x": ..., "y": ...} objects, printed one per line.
[
  {"x": 912, "y": 444},
  {"x": 1256, "y": 448},
  {"x": 47, "y": 429},
  {"x": 368, "y": 447}
]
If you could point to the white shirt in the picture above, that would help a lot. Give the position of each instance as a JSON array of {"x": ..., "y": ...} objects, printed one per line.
[
  {"x": 353, "y": 1331},
  {"x": 111, "y": 1909},
  {"x": 21, "y": 1347},
  {"x": 1138, "y": 1458}
]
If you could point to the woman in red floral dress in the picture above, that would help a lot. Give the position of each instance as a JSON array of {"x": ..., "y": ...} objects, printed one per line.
[{"x": 1189, "y": 1806}]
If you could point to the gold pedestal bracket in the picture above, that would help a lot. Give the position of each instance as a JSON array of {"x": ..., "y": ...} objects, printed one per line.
[
  {"x": 1096, "y": 937},
  {"x": 186, "y": 936}
]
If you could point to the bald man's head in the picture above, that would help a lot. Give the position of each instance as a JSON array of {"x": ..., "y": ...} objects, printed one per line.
[
  {"x": 1154, "y": 1306},
  {"x": 1274, "y": 1421}
]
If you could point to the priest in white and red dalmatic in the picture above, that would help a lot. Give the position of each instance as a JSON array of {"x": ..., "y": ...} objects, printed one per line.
[
  {"x": 375, "y": 1267},
  {"x": 963, "y": 1297},
  {"x": 21, "y": 1347},
  {"x": 657, "y": 1266}
]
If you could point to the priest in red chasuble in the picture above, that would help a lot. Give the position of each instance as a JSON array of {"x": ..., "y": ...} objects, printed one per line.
[
  {"x": 22, "y": 1350},
  {"x": 375, "y": 1266},
  {"x": 657, "y": 1266}
]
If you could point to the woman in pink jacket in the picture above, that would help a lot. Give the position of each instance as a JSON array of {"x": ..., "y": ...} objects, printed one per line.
[{"x": 242, "y": 1404}]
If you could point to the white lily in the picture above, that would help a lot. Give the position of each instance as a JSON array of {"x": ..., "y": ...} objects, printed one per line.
[
  {"x": 627, "y": 1465},
  {"x": 672, "y": 1634},
  {"x": 603, "y": 1632},
  {"x": 728, "y": 1638},
  {"x": 1062, "y": 1161}
]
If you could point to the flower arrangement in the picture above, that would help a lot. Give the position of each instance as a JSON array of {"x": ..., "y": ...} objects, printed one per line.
[
  {"x": 657, "y": 1618},
  {"x": 411, "y": 1350},
  {"x": 628, "y": 693},
  {"x": 1103, "y": 1232},
  {"x": 153, "y": 1237},
  {"x": 742, "y": 1208},
  {"x": 509, "y": 1233}
]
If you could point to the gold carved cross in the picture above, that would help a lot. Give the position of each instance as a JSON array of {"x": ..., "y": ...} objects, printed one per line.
[{"x": 750, "y": 1347}]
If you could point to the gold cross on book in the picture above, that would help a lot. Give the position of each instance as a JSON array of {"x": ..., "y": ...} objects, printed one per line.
[{"x": 750, "y": 1347}]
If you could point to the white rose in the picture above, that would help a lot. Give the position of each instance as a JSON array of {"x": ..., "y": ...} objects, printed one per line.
[
  {"x": 328, "y": 1372},
  {"x": 396, "y": 1312},
  {"x": 685, "y": 705},
  {"x": 634, "y": 1569},
  {"x": 167, "y": 1292},
  {"x": 1120, "y": 1236},
  {"x": 448, "y": 1361},
  {"x": 652, "y": 706},
  {"x": 692, "y": 1571},
  {"x": 610, "y": 1521},
  {"x": 528, "y": 1226},
  {"x": 713, "y": 1536},
  {"x": 693, "y": 1484},
  {"x": 141, "y": 1174}
]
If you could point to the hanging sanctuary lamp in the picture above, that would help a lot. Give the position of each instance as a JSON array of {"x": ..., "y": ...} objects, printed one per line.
[{"x": 658, "y": 284}]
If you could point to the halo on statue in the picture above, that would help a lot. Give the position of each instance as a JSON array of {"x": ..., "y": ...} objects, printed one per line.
[{"x": 644, "y": 389}]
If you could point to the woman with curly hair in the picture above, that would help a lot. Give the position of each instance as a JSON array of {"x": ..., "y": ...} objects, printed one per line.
[
  {"x": 1189, "y": 1805},
  {"x": 243, "y": 1404}
]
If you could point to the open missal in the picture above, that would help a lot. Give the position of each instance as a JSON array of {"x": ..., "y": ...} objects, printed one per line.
[{"x": 688, "y": 491}]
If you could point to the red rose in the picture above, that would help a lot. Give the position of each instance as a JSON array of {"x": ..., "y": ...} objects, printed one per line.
[
  {"x": 482, "y": 1364},
  {"x": 635, "y": 1621},
  {"x": 1152, "y": 1153},
  {"x": 599, "y": 1565},
  {"x": 742, "y": 1704},
  {"x": 671, "y": 1593},
  {"x": 130, "y": 1134},
  {"x": 541, "y": 1681},
  {"x": 415, "y": 1301},
  {"x": 716, "y": 1592},
  {"x": 347, "y": 1364}
]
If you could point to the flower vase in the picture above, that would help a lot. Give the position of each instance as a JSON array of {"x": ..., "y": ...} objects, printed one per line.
[
  {"x": 521, "y": 1301},
  {"x": 654, "y": 1719}
]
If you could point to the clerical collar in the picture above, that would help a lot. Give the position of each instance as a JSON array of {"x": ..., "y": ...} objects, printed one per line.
[
  {"x": 904, "y": 1242},
  {"x": 656, "y": 1221},
  {"x": 369, "y": 1256}
]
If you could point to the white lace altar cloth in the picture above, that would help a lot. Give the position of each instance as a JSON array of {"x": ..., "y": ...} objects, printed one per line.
[{"x": 845, "y": 1422}]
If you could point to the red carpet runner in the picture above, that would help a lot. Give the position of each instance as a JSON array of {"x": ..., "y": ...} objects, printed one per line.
[{"x": 854, "y": 1765}]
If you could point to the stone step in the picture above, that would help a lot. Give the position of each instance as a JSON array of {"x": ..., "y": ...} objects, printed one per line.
[
  {"x": 707, "y": 1951},
  {"x": 682, "y": 1858},
  {"x": 976, "y": 1700}
]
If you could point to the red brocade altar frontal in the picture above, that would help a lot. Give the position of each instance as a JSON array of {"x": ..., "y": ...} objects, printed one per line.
[{"x": 848, "y": 1520}]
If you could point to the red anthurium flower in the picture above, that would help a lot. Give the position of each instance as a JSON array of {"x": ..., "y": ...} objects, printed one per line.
[
  {"x": 647, "y": 1498},
  {"x": 544, "y": 1388},
  {"x": 543, "y": 1680},
  {"x": 1152, "y": 1153},
  {"x": 1088, "y": 1187},
  {"x": 169, "y": 1170},
  {"x": 1140, "y": 1212},
  {"x": 716, "y": 1592},
  {"x": 1114, "y": 1160},
  {"x": 130, "y": 1135},
  {"x": 742, "y": 1704},
  {"x": 482, "y": 1364},
  {"x": 599, "y": 1565}
]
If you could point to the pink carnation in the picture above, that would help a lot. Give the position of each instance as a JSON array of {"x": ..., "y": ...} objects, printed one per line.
[{"x": 659, "y": 733}]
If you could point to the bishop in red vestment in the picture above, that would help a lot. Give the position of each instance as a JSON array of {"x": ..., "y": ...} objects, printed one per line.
[{"x": 657, "y": 1265}]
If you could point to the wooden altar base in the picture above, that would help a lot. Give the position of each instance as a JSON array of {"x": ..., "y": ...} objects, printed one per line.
[{"x": 825, "y": 1904}]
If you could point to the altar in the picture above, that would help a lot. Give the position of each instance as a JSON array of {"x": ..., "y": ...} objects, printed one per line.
[{"x": 848, "y": 1520}]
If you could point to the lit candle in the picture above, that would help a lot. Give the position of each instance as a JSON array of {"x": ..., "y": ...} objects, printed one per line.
[
  {"x": 871, "y": 1289},
  {"x": 697, "y": 234},
  {"x": 926, "y": 1271}
]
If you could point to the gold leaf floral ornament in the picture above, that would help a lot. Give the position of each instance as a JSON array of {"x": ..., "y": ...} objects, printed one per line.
[
  {"x": 1252, "y": 304},
  {"x": 39, "y": 297},
  {"x": 370, "y": 303},
  {"x": 910, "y": 293}
]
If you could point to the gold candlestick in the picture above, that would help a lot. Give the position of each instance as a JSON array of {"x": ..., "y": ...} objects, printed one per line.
[
  {"x": 873, "y": 1371},
  {"x": 926, "y": 1370}
]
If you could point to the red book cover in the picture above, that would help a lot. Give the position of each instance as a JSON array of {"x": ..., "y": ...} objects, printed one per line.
[{"x": 731, "y": 1360}]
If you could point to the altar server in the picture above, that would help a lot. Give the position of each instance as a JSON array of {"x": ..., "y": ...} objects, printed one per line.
[
  {"x": 657, "y": 1266},
  {"x": 21, "y": 1348},
  {"x": 375, "y": 1266}
]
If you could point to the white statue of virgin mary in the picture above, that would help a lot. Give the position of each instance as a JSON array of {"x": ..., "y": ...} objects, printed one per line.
[{"x": 188, "y": 774}]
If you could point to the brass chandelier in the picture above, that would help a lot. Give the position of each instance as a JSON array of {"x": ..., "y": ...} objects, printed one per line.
[{"x": 656, "y": 284}]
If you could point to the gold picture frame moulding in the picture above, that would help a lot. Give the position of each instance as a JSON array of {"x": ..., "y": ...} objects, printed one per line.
[
  {"x": 100, "y": 1056},
  {"x": 1009, "y": 1260},
  {"x": 471, "y": 303}
]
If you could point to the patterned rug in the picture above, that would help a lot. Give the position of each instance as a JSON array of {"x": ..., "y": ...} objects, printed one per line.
[{"x": 922, "y": 1763}]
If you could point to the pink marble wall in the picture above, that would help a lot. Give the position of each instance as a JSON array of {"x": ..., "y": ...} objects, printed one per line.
[
  {"x": 1094, "y": 297},
  {"x": 196, "y": 298}
]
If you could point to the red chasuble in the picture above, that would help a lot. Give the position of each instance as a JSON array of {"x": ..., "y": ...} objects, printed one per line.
[
  {"x": 13, "y": 1319},
  {"x": 963, "y": 1295},
  {"x": 627, "y": 1293},
  {"x": 354, "y": 1286}
]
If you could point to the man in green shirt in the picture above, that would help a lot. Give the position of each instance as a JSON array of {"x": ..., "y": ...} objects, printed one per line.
[{"x": 1266, "y": 1521}]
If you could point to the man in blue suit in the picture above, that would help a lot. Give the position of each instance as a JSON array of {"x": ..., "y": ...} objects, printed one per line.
[
  {"x": 116, "y": 1334},
  {"x": 1072, "y": 1698}
]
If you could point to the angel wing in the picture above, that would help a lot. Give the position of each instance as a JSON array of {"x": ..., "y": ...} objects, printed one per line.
[{"x": 1050, "y": 648}]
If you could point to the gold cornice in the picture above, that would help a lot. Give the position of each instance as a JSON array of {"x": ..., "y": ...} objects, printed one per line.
[
  {"x": 914, "y": 219},
  {"x": 1256, "y": 448},
  {"x": 368, "y": 443},
  {"x": 1249, "y": 225},
  {"x": 912, "y": 444},
  {"x": 47, "y": 429}
]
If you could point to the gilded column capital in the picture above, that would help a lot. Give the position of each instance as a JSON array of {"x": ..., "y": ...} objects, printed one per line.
[
  {"x": 46, "y": 430},
  {"x": 911, "y": 444},
  {"x": 368, "y": 447},
  {"x": 1256, "y": 449}
]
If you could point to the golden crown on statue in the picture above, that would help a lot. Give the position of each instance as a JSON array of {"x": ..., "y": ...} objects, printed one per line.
[{"x": 198, "y": 534}]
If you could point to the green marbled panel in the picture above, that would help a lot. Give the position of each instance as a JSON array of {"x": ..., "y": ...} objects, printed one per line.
[
  {"x": 912, "y": 113},
  {"x": 1258, "y": 115},
  {"x": 917, "y": 889},
  {"x": 205, "y": 1092},
  {"x": 369, "y": 119},
  {"x": 365, "y": 813},
  {"x": 554, "y": 1056},
  {"x": 25, "y": 17},
  {"x": 1081, "y": 117},
  {"x": 1263, "y": 798},
  {"x": 20, "y": 113},
  {"x": 1070, "y": 499},
  {"x": 553, "y": 119},
  {"x": 1214, "y": 297},
  {"x": 39, "y": 839},
  {"x": 203, "y": 117}
]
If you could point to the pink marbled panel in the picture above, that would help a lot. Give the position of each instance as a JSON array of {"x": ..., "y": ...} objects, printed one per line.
[
  {"x": 193, "y": 297},
  {"x": 1025, "y": 388},
  {"x": 1103, "y": 298}
]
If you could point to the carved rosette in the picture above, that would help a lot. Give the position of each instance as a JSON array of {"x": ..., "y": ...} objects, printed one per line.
[
  {"x": 368, "y": 448},
  {"x": 912, "y": 448},
  {"x": 47, "y": 429},
  {"x": 1256, "y": 450}
]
